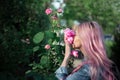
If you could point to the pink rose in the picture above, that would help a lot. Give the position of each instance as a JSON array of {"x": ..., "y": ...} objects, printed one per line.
[
  {"x": 47, "y": 46},
  {"x": 59, "y": 10},
  {"x": 74, "y": 53},
  {"x": 69, "y": 35},
  {"x": 48, "y": 11}
]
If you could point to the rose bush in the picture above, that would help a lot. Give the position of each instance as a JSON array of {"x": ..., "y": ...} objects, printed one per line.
[{"x": 48, "y": 47}]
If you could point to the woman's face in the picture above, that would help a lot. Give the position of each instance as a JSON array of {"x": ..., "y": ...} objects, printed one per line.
[{"x": 76, "y": 43}]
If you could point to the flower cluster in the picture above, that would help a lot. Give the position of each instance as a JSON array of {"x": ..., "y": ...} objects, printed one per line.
[
  {"x": 69, "y": 35},
  {"x": 55, "y": 14},
  {"x": 49, "y": 11}
]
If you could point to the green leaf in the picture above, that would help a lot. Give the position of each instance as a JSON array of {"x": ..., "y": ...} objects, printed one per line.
[
  {"x": 50, "y": 41},
  {"x": 36, "y": 48},
  {"x": 50, "y": 34},
  {"x": 38, "y": 37},
  {"x": 44, "y": 61},
  {"x": 34, "y": 67},
  {"x": 27, "y": 71}
]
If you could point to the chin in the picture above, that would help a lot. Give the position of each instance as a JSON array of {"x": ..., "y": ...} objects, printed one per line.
[{"x": 76, "y": 47}]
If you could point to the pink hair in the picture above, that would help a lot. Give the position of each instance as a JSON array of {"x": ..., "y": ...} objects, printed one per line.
[{"x": 91, "y": 37}]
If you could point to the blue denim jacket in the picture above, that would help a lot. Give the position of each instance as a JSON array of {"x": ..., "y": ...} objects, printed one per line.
[{"x": 82, "y": 74}]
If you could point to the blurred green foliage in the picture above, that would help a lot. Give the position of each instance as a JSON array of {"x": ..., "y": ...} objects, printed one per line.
[
  {"x": 25, "y": 30},
  {"x": 20, "y": 20},
  {"x": 109, "y": 44}
]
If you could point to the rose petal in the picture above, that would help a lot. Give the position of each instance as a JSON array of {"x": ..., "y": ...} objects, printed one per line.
[
  {"x": 70, "y": 40},
  {"x": 74, "y": 53}
]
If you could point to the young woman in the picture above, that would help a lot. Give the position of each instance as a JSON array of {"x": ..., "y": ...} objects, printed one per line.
[{"x": 95, "y": 65}]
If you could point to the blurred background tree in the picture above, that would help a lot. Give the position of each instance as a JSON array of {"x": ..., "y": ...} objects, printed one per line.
[
  {"x": 116, "y": 46},
  {"x": 104, "y": 11},
  {"x": 20, "y": 20}
]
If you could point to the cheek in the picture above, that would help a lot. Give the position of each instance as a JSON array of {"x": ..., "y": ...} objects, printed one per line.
[{"x": 76, "y": 43}]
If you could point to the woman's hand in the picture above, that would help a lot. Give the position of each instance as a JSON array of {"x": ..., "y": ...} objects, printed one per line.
[
  {"x": 67, "y": 48},
  {"x": 67, "y": 52}
]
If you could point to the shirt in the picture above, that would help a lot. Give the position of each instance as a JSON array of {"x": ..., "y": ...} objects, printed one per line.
[{"x": 82, "y": 74}]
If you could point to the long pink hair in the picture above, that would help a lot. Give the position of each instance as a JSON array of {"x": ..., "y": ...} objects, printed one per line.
[{"x": 92, "y": 41}]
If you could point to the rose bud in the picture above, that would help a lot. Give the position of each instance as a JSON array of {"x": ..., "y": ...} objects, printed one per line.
[{"x": 47, "y": 46}]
